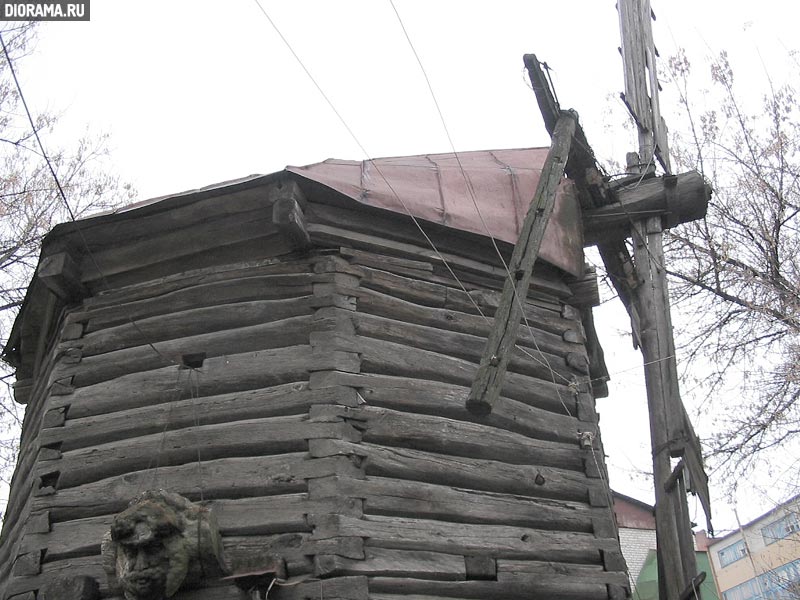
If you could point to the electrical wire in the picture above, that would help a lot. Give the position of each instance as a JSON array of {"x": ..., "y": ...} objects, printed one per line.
[
  {"x": 62, "y": 195},
  {"x": 471, "y": 191}
]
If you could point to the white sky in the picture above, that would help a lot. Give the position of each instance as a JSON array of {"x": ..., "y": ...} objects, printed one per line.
[{"x": 194, "y": 92}]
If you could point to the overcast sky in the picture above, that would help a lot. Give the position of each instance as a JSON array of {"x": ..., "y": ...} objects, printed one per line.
[{"x": 194, "y": 92}]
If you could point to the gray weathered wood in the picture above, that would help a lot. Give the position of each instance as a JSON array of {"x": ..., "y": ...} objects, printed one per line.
[
  {"x": 509, "y": 570},
  {"x": 465, "y": 538},
  {"x": 264, "y": 287},
  {"x": 184, "y": 323},
  {"x": 281, "y": 400},
  {"x": 389, "y": 358},
  {"x": 475, "y": 474},
  {"x": 293, "y": 331},
  {"x": 377, "y": 234},
  {"x": 408, "y": 498},
  {"x": 489, "y": 379},
  {"x": 204, "y": 275},
  {"x": 386, "y": 588},
  {"x": 239, "y": 477},
  {"x": 61, "y": 274},
  {"x": 377, "y": 303},
  {"x": 645, "y": 198},
  {"x": 660, "y": 397},
  {"x": 390, "y": 428},
  {"x": 179, "y": 242},
  {"x": 219, "y": 375},
  {"x": 547, "y": 316},
  {"x": 420, "y": 396},
  {"x": 77, "y": 587},
  {"x": 383, "y": 562},
  {"x": 253, "y": 437},
  {"x": 465, "y": 346},
  {"x": 335, "y": 236}
]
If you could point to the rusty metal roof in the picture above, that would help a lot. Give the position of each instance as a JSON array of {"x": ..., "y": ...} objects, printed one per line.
[{"x": 485, "y": 192}]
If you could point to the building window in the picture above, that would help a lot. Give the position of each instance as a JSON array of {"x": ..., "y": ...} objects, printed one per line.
[
  {"x": 777, "y": 530},
  {"x": 781, "y": 583},
  {"x": 748, "y": 590},
  {"x": 730, "y": 554}
]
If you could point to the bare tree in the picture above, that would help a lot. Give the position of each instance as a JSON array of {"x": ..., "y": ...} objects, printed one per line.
[
  {"x": 736, "y": 273},
  {"x": 30, "y": 204}
]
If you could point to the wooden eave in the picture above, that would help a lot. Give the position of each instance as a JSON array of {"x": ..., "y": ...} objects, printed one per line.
[{"x": 146, "y": 220}]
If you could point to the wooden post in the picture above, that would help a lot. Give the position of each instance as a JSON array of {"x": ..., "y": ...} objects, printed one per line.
[
  {"x": 655, "y": 335},
  {"x": 503, "y": 337},
  {"x": 685, "y": 535}
]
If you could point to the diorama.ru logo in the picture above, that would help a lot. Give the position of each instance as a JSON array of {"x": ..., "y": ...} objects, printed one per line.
[{"x": 45, "y": 11}]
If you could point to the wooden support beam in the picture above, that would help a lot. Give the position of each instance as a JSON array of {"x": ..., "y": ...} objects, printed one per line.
[
  {"x": 685, "y": 534},
  {"x": 675, "y": 199},
  {"x": 489, "y": 379},
  {"x": 663, "y": 403},
  {"x": 287, "y": 213},
  {"x": 61, "y": 274},
  {"x": 582, "y": 165}
]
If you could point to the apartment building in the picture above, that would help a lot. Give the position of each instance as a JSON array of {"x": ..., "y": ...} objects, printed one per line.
[{"x": 761, "y": 561}]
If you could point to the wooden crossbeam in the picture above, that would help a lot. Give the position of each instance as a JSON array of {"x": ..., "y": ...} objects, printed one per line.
[{"x": 503, "y": 337}]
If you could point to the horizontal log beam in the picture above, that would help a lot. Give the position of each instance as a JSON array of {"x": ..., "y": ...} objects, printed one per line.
[{"x": 675, "y": 198}]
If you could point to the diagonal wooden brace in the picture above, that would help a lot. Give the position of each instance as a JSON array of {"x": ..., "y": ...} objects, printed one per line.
[{"x": 503, "y": 337}]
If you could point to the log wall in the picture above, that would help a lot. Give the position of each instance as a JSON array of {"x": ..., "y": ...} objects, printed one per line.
[{"x": 316, "y": 402}]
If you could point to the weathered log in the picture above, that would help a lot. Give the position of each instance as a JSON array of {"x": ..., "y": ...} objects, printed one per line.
[
  {"x": 648, "y": 197},
  {"x": 190, "y": 322},
  {"x": 71, "y": 587},
  {"x": 70, "y": 539},
  {"x": 167, "y": 284},
  {"x": 335, "y": 588},
  {"x": 420, "y": 396},
  {"x": 61, "y": 274},
  {"x": 400, "y": 588},
  {"x": 266, "y": 516},
  {"x": 395, "y": 236},
  {"x": 255, "y": 437},
  {"x": 276, "y": 514},
  {"x": 266, "y": 287},
  {"x": 449, "y": 437},
  {"x": 383, "y": 562},
  {"x": 511, "y": 570},
  {"x": 531, "y": 336},
  {"x": 386, "y": 262},
  {"x": 221, "y": 478},
  {"x": 388, "y": 358},
  {"x": 179, "y": 242},
  {"x": 293, "y": 331},
  {"x": 488, "y": 380},
  {"x": 474, "y": 474},
  {"x": 501, "y": 541},
  {"x": 535, "y": 363},
  {"x": 440, "y": 296},
  {"x": 88, "y": 565},
  {"x": 219, "y": 375},
  {"x": 288, "y": 217},
  {"x": 397, "y": 497},
  {"x": 335, "y": 236},
  {"x": 282, "y": 400}
]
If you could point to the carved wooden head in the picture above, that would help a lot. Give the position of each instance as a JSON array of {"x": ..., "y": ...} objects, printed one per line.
[{"x": 161, "y": 541}]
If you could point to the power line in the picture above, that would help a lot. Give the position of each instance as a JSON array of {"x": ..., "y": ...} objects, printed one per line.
[
  {"x": 64, "y": 200},
  {"x": 471, "y": 192}
]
